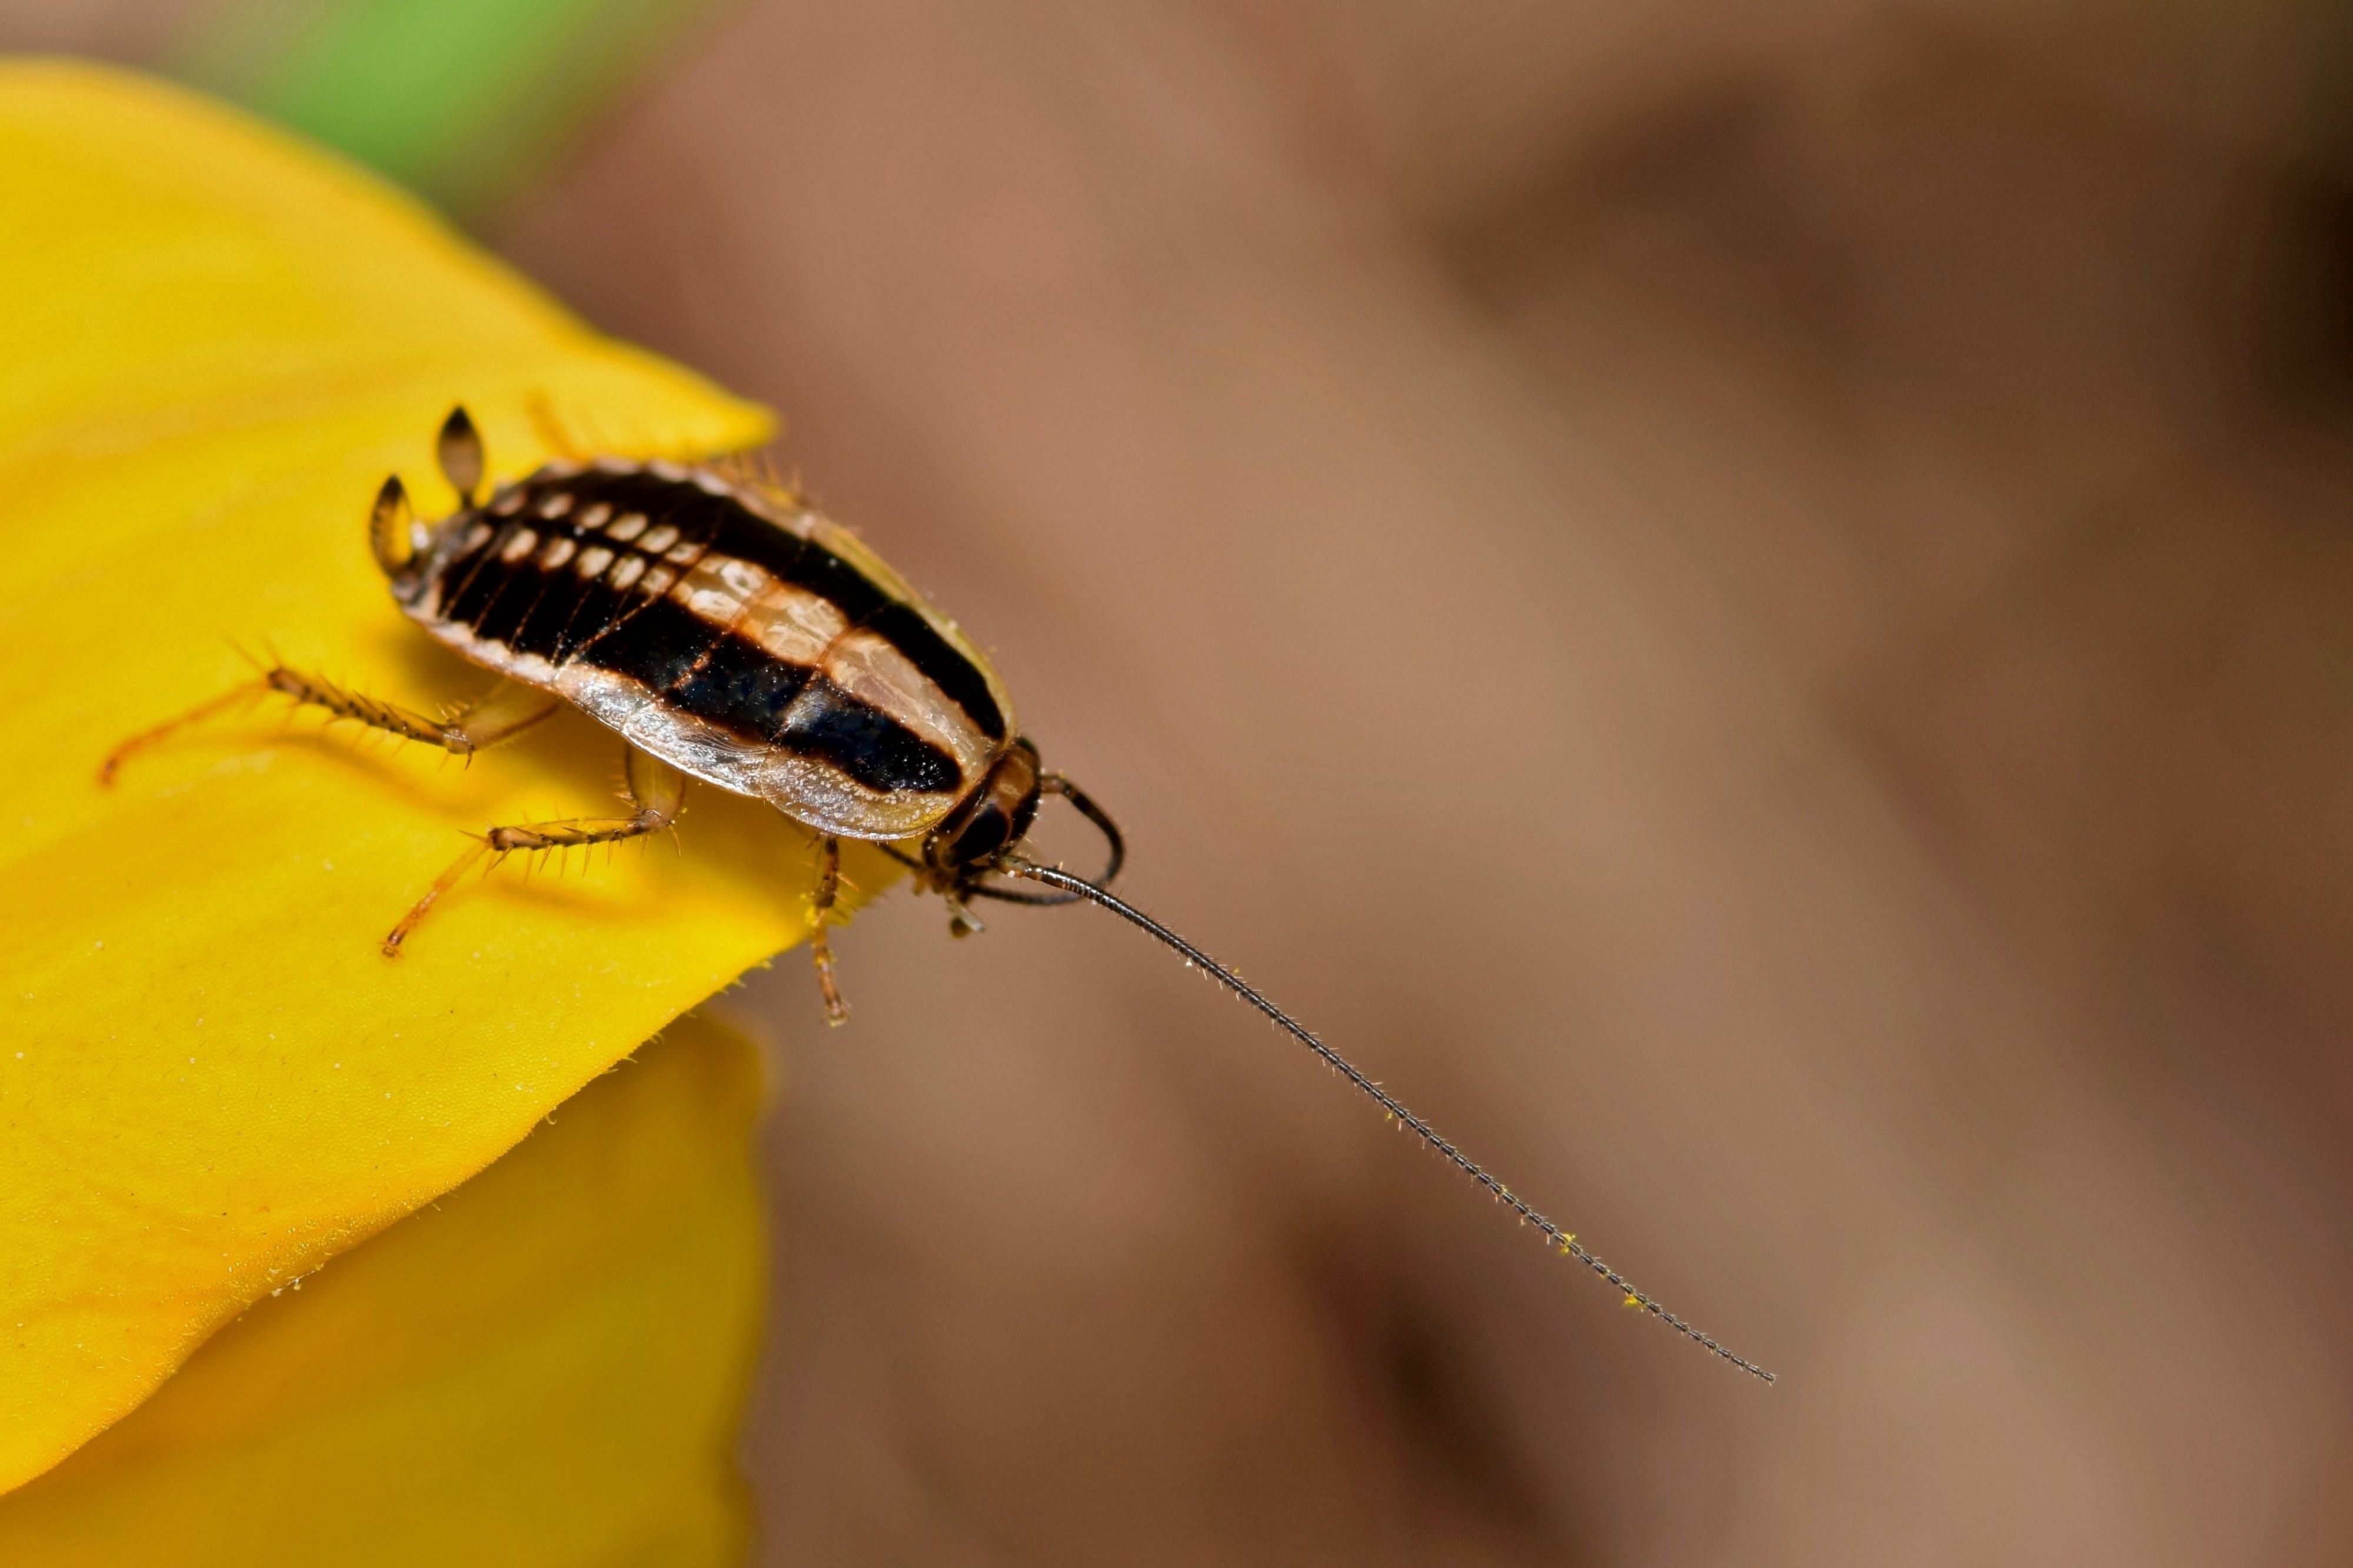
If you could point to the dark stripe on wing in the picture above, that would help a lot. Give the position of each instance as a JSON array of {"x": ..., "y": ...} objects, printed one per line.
[
  {"x": 560, "y": 597},
  {"x": 484, "y": 573},
  {"x": 657, "y": 645},
  {"x": 726, "y": 525},
  {"x": 830, "y": 725},
  {"x": 806, "y": 564},
  {"x": 599, "y": 609},
  {"x": 521, "y": 582},
  {"x": 606, "y": 609},
  {"x": 743, "y": 688},
  {"x": 735, "y": 685}
]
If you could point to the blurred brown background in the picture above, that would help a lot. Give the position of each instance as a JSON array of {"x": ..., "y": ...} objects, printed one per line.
[{"x": 1748, "y": 605}]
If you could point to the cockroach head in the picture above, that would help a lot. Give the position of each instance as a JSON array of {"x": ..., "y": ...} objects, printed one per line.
[{"x": 991, "y": 820}]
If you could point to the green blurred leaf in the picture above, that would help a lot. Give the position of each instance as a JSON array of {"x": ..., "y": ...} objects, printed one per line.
[{"x": 462, "y": 100}]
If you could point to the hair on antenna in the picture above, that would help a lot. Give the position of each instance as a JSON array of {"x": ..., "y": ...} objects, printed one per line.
[{"x": 1560, "y": 1240}]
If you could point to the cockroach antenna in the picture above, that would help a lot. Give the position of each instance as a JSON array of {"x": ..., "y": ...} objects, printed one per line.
[{"x": 1561, "y": 1241}]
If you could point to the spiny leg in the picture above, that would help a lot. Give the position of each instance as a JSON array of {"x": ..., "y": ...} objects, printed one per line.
[
  {"x": 829, "y": 887},
  {"x": 248, "y": 692},
  {"x": 503, "y": 714},
  {"x": 656, "y": 789}
]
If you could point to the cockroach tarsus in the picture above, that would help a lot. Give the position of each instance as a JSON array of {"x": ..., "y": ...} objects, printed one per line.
[{"x": 730, "y": 633}]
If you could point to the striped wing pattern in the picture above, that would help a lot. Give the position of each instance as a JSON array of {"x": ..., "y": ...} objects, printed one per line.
[{"x": 750, "y": 643}]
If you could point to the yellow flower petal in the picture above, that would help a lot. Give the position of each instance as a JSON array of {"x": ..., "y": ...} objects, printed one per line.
[
  {"x": 214, "y": 343},
  {"x": 546, "y": 1367}
]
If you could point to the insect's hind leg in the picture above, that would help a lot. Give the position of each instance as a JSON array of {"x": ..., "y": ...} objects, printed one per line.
[
  {"x": 821, "y": 902},
  {"x": 506, "y": 712},
  {"x": 656, "y": 789}
]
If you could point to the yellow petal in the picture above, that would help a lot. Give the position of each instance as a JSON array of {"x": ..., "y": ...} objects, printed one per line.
[
  {"x": 546, "y": 1367},
  {"x": 214, "y": 343}
]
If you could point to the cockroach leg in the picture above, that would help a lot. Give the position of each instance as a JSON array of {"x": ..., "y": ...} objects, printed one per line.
[
  {"x": 828, "y": 887},
  {"x": 250, "y": 692},
  {"x": 503, "y": 714},
  {"x": 657, "y": 789},
  {"x": 441, "y": 884}
]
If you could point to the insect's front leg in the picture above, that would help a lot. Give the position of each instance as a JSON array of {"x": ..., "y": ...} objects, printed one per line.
[
  {"x": 503, "y": 714},
  {"x": 821, "y": 902},
  {"x": 656, "y": 789}
]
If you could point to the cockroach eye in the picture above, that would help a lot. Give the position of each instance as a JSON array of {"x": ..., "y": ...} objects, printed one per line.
[{"x": 735, "y": 636}]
